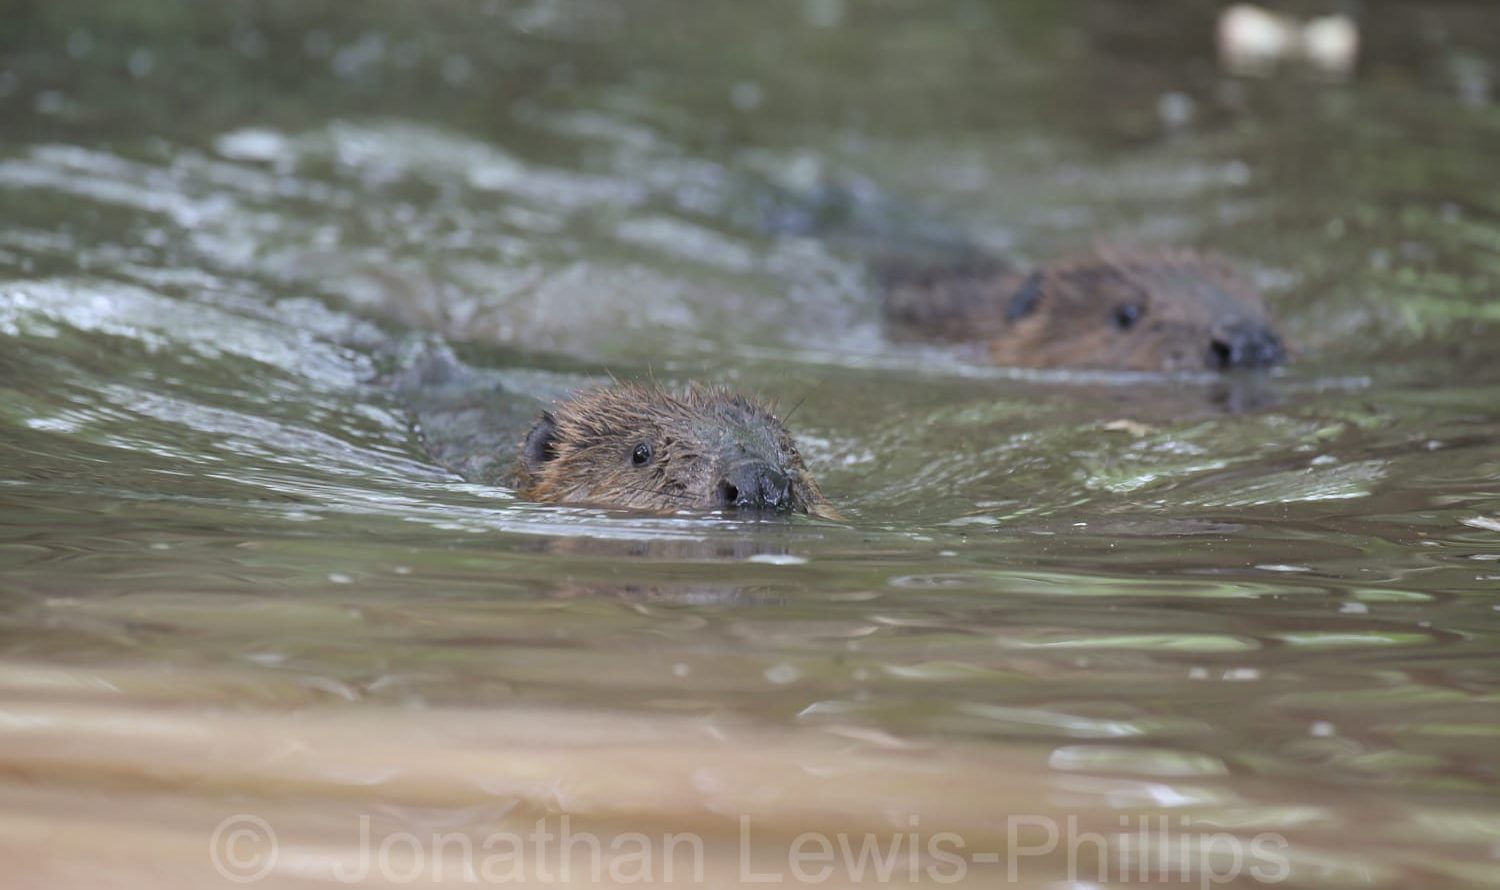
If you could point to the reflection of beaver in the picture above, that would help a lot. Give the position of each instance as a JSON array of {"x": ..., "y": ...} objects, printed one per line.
[
  {"x": 648, "y": 448},
  {"x": 620, "y": 446},
  {"x": 1130, "y": 311}
]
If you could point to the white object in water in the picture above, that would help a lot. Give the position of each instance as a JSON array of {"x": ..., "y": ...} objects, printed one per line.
[
  {"x": 1331, "y": 44},
  {"x": 1254, "y": 40}
]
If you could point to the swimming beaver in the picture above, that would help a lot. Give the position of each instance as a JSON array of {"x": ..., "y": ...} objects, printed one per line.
[
  {"x": 652, "y": 449},
  {"x": 640, "y": 447},
  {"x": 1159, "y": 311}
]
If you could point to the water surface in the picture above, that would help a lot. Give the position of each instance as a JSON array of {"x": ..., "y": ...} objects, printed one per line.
[{"x": 234, "y": 585}]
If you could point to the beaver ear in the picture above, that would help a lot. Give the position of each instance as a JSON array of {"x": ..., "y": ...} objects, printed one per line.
[
  {"x": 540, "y": 442},
  {"x": 1024, "y": 301}
]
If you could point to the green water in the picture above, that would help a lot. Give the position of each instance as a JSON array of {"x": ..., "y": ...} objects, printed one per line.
[{"x": 1270, "y": 602}]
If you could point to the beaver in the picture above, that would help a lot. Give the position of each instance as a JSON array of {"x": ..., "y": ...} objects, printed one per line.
[
  {"x": 646, "y": 447},
  {"x": 625, "y": 445},
  {"x": 1140, "y": 311}
]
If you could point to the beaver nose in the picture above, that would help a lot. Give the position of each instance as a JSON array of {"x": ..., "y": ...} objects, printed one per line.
[
  {"x": 1245, "y": 346},
  {"x": 755, "y": 485}
]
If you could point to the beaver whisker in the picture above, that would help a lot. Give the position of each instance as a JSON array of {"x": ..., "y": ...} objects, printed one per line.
[
  {"x": 787, "y": 418},
  {"x": 654, "y": 492}
]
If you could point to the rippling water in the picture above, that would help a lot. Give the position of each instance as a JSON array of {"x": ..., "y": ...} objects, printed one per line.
[{"x": 234, "y": 587}]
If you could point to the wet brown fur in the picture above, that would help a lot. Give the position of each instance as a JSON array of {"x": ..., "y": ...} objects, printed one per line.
[
  {"x": 1069, "y": 313},
  {"x": 587, "y": 456}
]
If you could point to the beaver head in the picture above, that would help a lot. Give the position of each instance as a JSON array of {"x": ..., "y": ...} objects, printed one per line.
[
  {"x": 1147, "y": 312},
  {"x": 651, "y": 449},
  {"x": 1162, "y": 311}
]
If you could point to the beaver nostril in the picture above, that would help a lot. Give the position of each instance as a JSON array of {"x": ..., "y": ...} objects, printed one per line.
[
  {"x": 1265, "y": 350},
  {"x": 1246, "y": 346},
  {"x": 1220, "y": 355},
  {"x": 757, "y": 485},
  {"x": 782, "y": 495}
]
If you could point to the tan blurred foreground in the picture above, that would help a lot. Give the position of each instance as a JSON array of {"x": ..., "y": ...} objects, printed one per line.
[{"x": 135, "y": 778}]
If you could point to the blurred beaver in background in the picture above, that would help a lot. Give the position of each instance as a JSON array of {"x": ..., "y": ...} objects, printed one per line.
[
  {"x": 1146, "y": 311},
  {"x": 626, "y": 445}
]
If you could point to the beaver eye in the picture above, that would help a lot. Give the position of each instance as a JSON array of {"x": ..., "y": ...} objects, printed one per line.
[
  {"x": 642, "y": 454},
  {"x": 1127, "y": 315}
]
